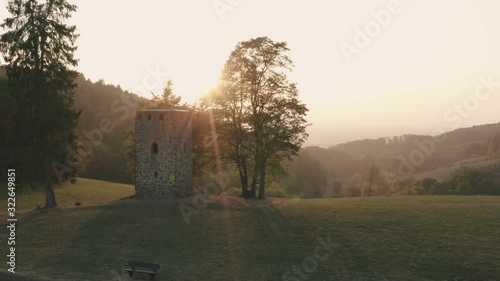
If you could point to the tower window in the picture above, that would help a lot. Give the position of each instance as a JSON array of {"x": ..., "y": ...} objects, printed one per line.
[
  {"x": 156, "y": 175},
  {"x": 154, "y": 148},
  {"x": 162, "y": 117},
  {"x": 149, "y": 116}
]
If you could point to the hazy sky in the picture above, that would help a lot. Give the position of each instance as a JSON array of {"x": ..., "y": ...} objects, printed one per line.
[{"x": 410, "y": 66}]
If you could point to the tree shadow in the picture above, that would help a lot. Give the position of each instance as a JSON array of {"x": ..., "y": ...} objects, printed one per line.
[{"x": 257, "y": 242}]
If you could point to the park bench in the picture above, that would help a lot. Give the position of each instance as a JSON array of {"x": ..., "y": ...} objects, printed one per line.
[{"x": 142, "y": 267}]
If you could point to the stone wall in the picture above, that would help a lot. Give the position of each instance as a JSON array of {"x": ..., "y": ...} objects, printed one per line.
[{"x": 163, "y": 153}]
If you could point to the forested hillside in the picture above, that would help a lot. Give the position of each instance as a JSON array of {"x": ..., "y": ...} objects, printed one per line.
[
  {"x": 106, "y": 103},
  {"x": 99, "y": 103},
  {"x": 373, "y": 167},
  {"x": 464, "y": 143},
  {"x": 458, "y": 145}
]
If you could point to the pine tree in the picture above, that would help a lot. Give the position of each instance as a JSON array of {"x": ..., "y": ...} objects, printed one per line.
[{"x": 38, "y": 49}]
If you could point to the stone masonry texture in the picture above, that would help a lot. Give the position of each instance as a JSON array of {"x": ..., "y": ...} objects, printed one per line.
[{"x": 163, "y": 149}]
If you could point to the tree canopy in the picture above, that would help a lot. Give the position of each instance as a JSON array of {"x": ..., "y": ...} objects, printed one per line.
[{"x": 260, "y": 119}]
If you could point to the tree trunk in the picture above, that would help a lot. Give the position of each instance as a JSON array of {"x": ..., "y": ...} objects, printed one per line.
[
  {"x": 50, "y": 198},
  {"x": 242, "y": 169},
  {"x": 256, "y": 171},
  {"x": 255, "y": 177},
  {"x": 244, "y": 188},
  {"x": 245, "y": 174},
  {"x": 262, "y": 187}
]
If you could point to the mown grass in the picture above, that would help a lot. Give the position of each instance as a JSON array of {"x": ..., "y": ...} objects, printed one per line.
[
  {"x": 386, "y": 238},
  {"x": 86, "y": 191}
]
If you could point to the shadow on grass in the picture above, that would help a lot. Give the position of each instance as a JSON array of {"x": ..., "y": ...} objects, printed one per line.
[
  {"x": 260, "y": 241},
  {"x": 220, "y": 244}
]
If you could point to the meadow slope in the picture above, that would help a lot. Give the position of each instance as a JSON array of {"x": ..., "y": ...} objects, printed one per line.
[{"x": 431, "y": 238}]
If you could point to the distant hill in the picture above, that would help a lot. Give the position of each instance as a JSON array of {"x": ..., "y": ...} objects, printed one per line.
[
  {"x": 471, "y": 140},
  {"x": 472, "y": 146}
]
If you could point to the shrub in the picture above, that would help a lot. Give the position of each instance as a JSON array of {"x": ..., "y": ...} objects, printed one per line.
[
  {"x": 416, "y": 190},
  {"x": 486, "y": 185},
  {"x": 427, "y": 183},
  {"x": 353, "y": 191},
  {"x": 232, "y": 191},
  {"x": 276, "y": 192},
  {"x": 440, "y": 188},
  {"x": 403, "y": 193},
  {"x": 465, "y": 188}
]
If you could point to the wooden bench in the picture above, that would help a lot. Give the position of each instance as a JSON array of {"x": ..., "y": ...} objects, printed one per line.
[{"x": 142, "y": 267}]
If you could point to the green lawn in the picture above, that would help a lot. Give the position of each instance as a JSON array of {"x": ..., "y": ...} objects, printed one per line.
[
  {"x": 385, "y": 238},
  {"x": 85, "y": 191}
]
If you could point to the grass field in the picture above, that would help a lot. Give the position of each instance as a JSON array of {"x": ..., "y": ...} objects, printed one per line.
[
  {"x": 86, "y": 191},
  {"x": 385, "y": 238}
]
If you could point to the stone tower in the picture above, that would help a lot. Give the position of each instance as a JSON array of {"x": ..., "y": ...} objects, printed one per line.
[{"x": 163, "y": 151}]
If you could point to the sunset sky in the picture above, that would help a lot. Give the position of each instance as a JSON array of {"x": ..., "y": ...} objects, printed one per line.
[{"x": 426, "y": 59}]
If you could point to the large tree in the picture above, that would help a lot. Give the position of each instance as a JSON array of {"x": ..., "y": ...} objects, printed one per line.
[
  {"x": 38, "y": 49},
  {"x": 257, "y": 109},
  {"x": 229, "y": 108}
]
